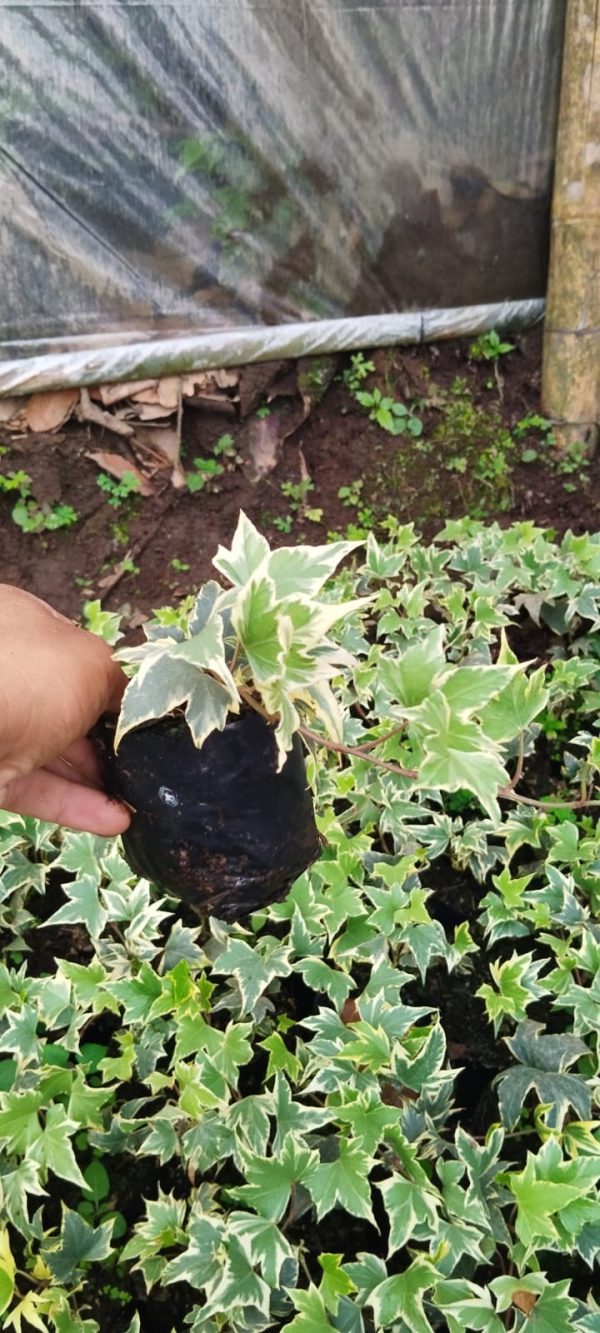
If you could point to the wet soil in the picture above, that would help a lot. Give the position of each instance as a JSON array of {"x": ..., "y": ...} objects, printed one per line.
[{"x": 425, "y": 481}]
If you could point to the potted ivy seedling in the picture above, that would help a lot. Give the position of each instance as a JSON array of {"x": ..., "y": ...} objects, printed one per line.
[{"x": 207, "y": 751}]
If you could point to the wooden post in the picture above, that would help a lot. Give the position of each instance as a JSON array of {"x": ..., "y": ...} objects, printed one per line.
[{"x": 571, "y": 357}]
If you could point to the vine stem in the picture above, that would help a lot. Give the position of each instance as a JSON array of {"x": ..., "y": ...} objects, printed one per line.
[
  {"x": 358, "y": 752},
  {"x": 364, "y": 752},
  {"x": 507, "y": 794}
]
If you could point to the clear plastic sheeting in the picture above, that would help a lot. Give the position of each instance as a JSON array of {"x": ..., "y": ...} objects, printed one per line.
[
  {"x": 135, "y": 360},
  {"x": 215, "y": 180}
]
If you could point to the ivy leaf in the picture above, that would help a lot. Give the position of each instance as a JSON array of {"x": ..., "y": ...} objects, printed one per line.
[
  {"x": 467, "y": 689},
  {"x": 408, "y": 1206},
  {"x": 52, "y": 1148},
  {"x": 28, "y": 1309},
  {"x": 158, "y": 687},
  {"x": 343, "y": 1182},
  {"x": 271, "y": 1179},
  {"x": 258, "y": 625},
  {"x": 516, "y": 706},
  {"x": 552, "y": 1309},
  {"x": 207, "y": 708},
  {"x": 416, "y": 1071},
  {"x": 78, "y": 1244},
  {"x": 7, "y": 1271},
  {"x": 83, "y": 905},
  {"x": 543, "y": 1060},
  {"x": 408, "y": 678},
  {"x": 291, "y": 1115},
  {"x": 401, "y": 1297},
  {"x": 81, "y": 854},
  {"x": 253, "y": 969},
  {"x": 335, "y": 1282},
  {"x": 263, "y": 1242},
  {"x": 517, "y": 988},
  {"x": 202, "y": 1262},
  {"x": 312, "y": 1314},
  {"x": 248, "y": 551},
  {"x": 14, "y": 1188},
  {"x": 138, "y": 994},
  {"x": 321, "y": 977},
  {"x": 237, "y": 1285},
  {"x": 20, "y": 1035},
  {"x": 367, "y": 1116},
  {"x": 545, "y": 1187},
  {"x": 467, "y": 1306},
  {"x": 458, "y": 756},
  {"x": 280, "y": 1058},
  {"x": 302, "y": 570},
  {"x": 19, "y": 1120}
]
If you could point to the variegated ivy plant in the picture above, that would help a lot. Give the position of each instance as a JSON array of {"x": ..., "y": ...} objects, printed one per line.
[
  {"x": 439, "y": 719},
  {"x": 263, "y": 643}
]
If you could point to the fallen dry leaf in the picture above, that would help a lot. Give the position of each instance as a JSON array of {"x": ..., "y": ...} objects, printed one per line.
[
  {"x": 169, "y": 392},
  {"x": 49, "y": 411},
  {"x": 164, "y": 441},
  {"x": 89, "y": 411},
  {"x": 10, "y": 410},
  {"x": 349, "y": 1012},
  {"x": 524, "y": 1300},
  {"x": 116, "y": 393},
  {"x": 139, "y": 411},
  {"x": 117, "y": 466},
  {"x": 138, "y": 618}
]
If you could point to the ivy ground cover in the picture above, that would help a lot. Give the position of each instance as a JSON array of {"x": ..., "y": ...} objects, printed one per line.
[{"x": 373, "y": 1105}]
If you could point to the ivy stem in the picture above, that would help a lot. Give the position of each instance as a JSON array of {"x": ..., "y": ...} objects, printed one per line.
[
  {"x": 358, "y": 752},
  {"x": 518, "y": 773},
  {"x": 363, "y": 752},
  {"x": 507, "y": 794}
]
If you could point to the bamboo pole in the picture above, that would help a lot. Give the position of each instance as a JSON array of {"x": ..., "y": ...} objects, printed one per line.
[{"x": 571, "y": 356}]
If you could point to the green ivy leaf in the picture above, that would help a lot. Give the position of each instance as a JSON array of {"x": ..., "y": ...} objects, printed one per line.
[
  {"x": 271, "y": 1179},
  {"x": 264, "y": 1244},
  {"x": 401, "y": 1297},
  {"x": 543, "y": 1061},
  {"x": 312, "y": 1314},
  {"x": 249, "y": 549},
  {"x": 458, "y": 756},
  {"x": 343, "y": 1182},
  {"x": 253, "y": 969},
  {"x": 78, "y": 1244},
  {"x": 335, "y": 1282},
  {"x": 521, "y": 700},
  {"x": 83, "y": 905}
]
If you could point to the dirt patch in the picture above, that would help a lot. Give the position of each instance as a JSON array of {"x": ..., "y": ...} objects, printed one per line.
[{"x": 468, "y": 459}]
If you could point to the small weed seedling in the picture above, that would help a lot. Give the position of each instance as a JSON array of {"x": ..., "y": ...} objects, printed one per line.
[
  {"x": 350, "y": 494},
  {"x": 205, "y": 471},
  {"x": 489, "y": 347},
  {"x": 30, "y": 516},
  {"x": 391, "y": 416},
  {"x": 117, "y": 492},
  {"x": 180, "y": 566},
  {"x": 297, "y": 492},
  {"x": 563, "y": 462},
  {"x": 357, "y": 371}
]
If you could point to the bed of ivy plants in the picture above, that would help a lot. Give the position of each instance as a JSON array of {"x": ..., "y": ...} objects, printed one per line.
[{"x": 374, "y": 1104}]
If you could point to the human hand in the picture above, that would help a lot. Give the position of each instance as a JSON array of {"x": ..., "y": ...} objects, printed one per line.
[{"x": 55, "y": 681}]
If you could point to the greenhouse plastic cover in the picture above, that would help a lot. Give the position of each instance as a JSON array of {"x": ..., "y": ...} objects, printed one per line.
[{"x": 204, "y": 181}]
